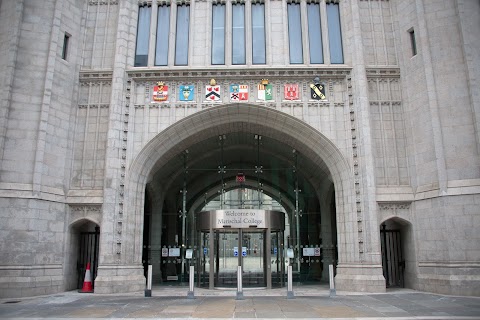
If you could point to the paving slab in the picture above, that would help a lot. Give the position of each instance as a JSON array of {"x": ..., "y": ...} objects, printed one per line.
[{"x": 222, "y": 304}]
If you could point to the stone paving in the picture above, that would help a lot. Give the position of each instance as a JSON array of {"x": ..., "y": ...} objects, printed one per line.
[{"x": 309, "y": 303}]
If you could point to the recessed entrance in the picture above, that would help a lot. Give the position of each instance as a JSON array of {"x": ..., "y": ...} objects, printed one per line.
[{"x": 237, "y": 162}]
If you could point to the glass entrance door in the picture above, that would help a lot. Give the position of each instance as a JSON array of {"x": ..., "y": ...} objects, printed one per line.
[
  {"x": 231, "y": 248},
  {"x": 254, "y": 258},
  {"x": 248, "y": 248},
  {"x": 226, "y": 258}
]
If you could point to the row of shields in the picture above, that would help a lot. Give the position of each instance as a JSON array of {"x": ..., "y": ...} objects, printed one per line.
[{"x": 238, "y": 92}]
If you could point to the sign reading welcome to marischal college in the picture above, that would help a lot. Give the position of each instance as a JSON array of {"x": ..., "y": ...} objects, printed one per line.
[{"x": 240, "y": 218}]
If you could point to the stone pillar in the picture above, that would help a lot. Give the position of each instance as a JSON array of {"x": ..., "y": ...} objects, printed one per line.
[
  {"x": 328, "y": 250},
  {"x": 360, "y": 268},
  {"x": 120, "y": 268}
]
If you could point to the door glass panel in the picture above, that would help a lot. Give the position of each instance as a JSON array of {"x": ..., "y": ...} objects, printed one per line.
[
  {"x": 226, "y": 258},
  {"x": 253, "y": 252},
  {"x": 277, "y": 260},
  {"x": 204, "y": 260}
]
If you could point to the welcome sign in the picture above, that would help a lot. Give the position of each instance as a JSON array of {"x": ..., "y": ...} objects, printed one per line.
[{"x": 240, "y": 218}]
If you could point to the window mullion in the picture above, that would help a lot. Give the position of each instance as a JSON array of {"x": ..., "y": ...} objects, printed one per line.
[
  {"x": 248, "y": 32},
  {"x": 153, "y": 34},
  {"x": 228, "y": 34},
  {"x": 325, "y": 42},
  {"x": 304, "y": 20},
  {"x": 171, "y": 38}
]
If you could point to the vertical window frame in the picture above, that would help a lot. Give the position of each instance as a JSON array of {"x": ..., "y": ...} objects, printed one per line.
[
  {"x": 334, "y": 25},
  {"x": 145, "y": 36},
  {"x": 295, "y": 40},
  {"x": 162, "y": 37},
  {"x": 260, "y": 41},
  {"x": 182, "y": 53},
  {"x": 66, "y": 44},
  {"x": 316, "y": 52},
  {"x": 413, "y": 41},
  {"x": 220, "y": 58},
  {"x": 237, "y": 44}
]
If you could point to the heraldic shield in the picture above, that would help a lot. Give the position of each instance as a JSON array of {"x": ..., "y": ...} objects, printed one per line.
[
  {"x": 291, "y": 92},
  {"x": 187, "y": 93},
  {"x": 238, "y": 92},
  {"x": 317, "y": 91},
  {"x": 160, "y": 92},
  {"x": 212, "y": 93}
]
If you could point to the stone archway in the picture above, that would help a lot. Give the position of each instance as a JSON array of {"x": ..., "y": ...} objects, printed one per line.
[{"x": 313, "y": 145}]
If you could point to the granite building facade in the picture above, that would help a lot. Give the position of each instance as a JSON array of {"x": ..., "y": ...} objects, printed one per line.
[{"x": 121, "y": 120}]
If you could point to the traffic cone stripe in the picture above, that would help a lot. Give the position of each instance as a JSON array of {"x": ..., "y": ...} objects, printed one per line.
[{"x": 87, "y": 282}]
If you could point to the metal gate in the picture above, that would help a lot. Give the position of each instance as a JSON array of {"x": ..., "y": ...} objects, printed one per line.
[
  {"x": 392, "y": 257},
  {"x": 88, "y": 252}
]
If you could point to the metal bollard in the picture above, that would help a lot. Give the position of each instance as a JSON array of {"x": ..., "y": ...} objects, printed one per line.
[
  {"x": 191, "y": 282},
  {"x": 290, "y": 294},
  {"x": 332, "y": 282},
  {"x": 148, "y": 290},
  {"x": 239, "y": 284}
]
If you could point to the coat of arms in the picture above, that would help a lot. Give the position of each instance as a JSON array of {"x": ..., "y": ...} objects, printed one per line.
[
  {"x": 187, "y": 92},
  {"x": 238, "y": 92},
  {"x": 212, "y": 91},
  {"x": 291, "y": 92},
  {"x": 317, "y": 90},
  {"x": 265, "y": 91},
  {"x": 160, "y": 92}
]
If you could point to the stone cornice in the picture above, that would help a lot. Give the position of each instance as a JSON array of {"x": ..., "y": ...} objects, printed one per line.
[
  {"x": 382, "y": 72},
  {"x": 238, "y": 74},
  {"x": 96, "y": 75}
]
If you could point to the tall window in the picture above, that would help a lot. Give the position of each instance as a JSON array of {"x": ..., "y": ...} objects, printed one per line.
[
  {"x": 295, "y": 33},
  {"x": 315, "y": 33},
  {"x": 163, "y": 29},
  {"x": 66, "y": 40},
  {"x": 334, "y": 33},
  {"x": 238, "y": 34},
  {"x": 413, "y": 43},
  {"x": 181, "y": 41},
  {"x": 258, "y": 33},
  {"x": 218, "y": 34},
  {"x": 143, "y": 31}
]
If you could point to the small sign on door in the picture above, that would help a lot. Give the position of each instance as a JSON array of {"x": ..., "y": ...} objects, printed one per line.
[
  {"x": 164, "y": 252},
  {"x": 244, "y": 251}
]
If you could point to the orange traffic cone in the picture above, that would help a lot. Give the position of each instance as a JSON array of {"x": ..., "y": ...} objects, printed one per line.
[{"x": 87, "y": 282}]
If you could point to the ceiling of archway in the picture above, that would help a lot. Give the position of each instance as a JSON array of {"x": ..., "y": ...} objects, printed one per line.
[{"x": 241, "y": 154}]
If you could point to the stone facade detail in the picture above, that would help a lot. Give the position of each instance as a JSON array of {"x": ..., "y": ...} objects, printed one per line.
[{"x": 394, "y": 145}]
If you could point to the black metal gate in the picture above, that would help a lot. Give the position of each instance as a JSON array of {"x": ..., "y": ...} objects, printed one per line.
[
  {"x": 88, "y": 252},
  {"x": 392, "y": 257}
]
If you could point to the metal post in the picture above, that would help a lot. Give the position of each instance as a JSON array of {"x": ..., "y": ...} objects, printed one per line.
[
  {"x": 239, "y": 284},
  {"x": 290, "y": 294},
  {"x": 190, "y": 294},
  {"x": 297, "y": 210},
  {"x": 148, "y": 291},
  {"x": 332, "y": 282}
]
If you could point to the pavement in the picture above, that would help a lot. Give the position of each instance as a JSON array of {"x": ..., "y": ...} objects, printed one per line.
[{"x": 309, "y": 302}]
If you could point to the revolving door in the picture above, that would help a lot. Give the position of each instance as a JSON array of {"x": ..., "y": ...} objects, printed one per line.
[{"x": 250, "y": 239}]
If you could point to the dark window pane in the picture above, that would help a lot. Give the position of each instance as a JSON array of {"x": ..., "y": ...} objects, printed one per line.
[
  {"x": 258, "y": 33},
  {"x": 66, "y": 39},
  {"x": 238, "y": 34},
  {"x": 315, "y": 33},
  {"x": 413, "y": 42},
  {"x": 143, "y": 32},
  {"x": 295, "y": 33},
  {"x": 163, "y": 29},
  {"x": 181, "y": 43},
  {"x": 218, "y": 34},
  {"x": 334, "y": 33}
]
